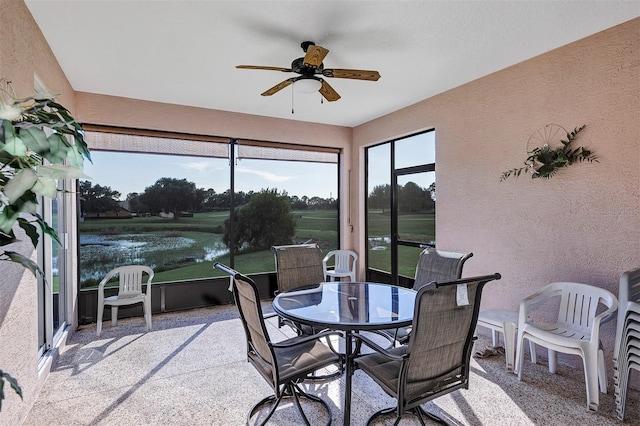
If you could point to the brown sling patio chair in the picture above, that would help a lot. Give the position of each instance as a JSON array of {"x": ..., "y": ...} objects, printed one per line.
[
  {"x": 433, "y": 265},
  {"x": 436, "y": 360},
  {"x": 284, "y": 365},
  {"x": 297, "y": 266}
]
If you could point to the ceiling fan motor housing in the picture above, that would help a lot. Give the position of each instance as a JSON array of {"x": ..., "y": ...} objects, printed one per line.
[
  {"x": 299, "y": 67},
  {"x": 305, "y": 45}
]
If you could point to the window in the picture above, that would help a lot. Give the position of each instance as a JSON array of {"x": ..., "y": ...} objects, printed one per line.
[
  {"x": 167, "y": 202},
  {"x": 400, "y": 183}
]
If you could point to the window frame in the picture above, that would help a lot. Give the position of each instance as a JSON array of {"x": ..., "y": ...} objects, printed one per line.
[{"x": 396, "y": 242}]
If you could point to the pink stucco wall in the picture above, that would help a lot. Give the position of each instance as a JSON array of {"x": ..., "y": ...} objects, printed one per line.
[
  {"x": 117, "y": 111},
  {"x": 583, "y": 225},
  {"x": 24, "y": 56}
]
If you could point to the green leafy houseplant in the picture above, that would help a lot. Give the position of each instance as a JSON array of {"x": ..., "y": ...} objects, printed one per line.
[
  {"x": 544, "y": 162},
  {"x": 40, "y": 142}
]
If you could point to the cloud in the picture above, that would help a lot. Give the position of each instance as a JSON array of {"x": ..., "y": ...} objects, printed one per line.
[
  {"x": 270, "y": 177},
  {"x": 200, "y": 166}
]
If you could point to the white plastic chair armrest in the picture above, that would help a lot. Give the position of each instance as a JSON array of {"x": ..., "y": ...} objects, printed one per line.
[
  {"x": 598, "y": 319},
  {"x": 105, "y": 280}
]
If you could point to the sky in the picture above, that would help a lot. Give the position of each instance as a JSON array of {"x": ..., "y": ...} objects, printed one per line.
[
  {"x": 128, "y": 172},
  {"x": 133, "y": 172},
  {"x": 411, "y": 151}
]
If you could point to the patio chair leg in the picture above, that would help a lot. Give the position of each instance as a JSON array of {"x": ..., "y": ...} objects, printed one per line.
[
  {"x": 291, "y": 390},
  {"x": 99, "y": 324},
  {"x": 418, "y": 411},
  {"x": 114, "y": 316}
]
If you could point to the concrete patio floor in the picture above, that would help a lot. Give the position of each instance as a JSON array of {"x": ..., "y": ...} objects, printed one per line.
[{"x": 191, "y": 369}]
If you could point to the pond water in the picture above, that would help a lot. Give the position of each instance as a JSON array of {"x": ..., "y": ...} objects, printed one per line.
[{"x": 101, "y": 253}]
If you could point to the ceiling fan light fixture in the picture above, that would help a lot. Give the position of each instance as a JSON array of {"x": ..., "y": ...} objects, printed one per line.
[{"x": 307, "y": 85}]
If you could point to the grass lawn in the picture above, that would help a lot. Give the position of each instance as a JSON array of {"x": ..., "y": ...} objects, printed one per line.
[
  {"x": 411, "y": 227},
  {"x": 204, "y": 229}
]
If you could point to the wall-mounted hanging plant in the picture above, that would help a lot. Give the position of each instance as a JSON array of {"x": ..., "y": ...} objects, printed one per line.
[{"x": 548, "y": 152}]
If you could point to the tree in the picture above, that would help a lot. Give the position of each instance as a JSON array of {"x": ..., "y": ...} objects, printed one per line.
[
  {"x": 135, "y": 205},
  {"x": 380, "y": 197},
  {"x": 198, "y": 202},
  {"x": 170, "y": 195},
  {"x": 266, "y": 220},
  {"x": 98, "y": 199},
  {"x": 411, "y": 198},
  {"x": 298, "y": 203}
]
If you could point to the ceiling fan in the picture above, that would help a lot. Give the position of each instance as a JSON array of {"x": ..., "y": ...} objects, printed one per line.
[{"x": 310, "y": 67}]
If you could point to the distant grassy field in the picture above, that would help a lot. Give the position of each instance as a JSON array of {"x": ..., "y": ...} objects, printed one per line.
[
  {"x": 411, "y": 227},
  {"x": 203, "y": 222},
  {"x": 182, "y": 263}
]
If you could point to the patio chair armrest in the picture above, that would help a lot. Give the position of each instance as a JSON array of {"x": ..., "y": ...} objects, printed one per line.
[
  {"x": 532, "y": 301},
  {"x": 304, "y": 339},
  {"x": 606, "y": 316},
  {"x": 269, "y": 315},
  {"x": 370, "y": 343},
  {"x": 602, "y": 318},
  {"x": 105, "y": 280},
  {"x": 609, "y": 317}
]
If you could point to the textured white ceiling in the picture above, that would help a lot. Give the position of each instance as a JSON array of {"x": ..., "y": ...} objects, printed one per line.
[{"x": 185, "y": 52}]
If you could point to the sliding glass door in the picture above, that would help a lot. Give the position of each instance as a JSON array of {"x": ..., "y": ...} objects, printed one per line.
[
  {"x": 54, "y": 287},
  {"x": 400, "y": 183}
]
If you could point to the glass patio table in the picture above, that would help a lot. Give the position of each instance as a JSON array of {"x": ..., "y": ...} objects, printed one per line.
[{"x": 350, "y": 307}]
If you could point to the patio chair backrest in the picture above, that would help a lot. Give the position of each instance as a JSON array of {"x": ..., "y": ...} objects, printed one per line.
[
  {"x": 578, "y": 304},
  {"x": 298, "y": 265},
  {"x": 441, "y": 340},
  {"x": 259, "y": 350},
  {"x": 439, "y": 265},
  {"x": 131, "y": 279}
]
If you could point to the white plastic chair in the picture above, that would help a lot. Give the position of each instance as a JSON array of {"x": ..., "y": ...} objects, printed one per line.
[
  {"x": 627, "y": 347},
  {"x": 629, "y": 360},
  {"x": 344, "y": 265},
  {"x": 129, "y": 293},
  {"x": 629, "y": 296},
  {"x": 576, "y": 330}
]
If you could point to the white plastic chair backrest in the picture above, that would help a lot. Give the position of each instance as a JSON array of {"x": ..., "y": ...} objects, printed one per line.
[
  {"x": 130, "y": 279},
  {"x": 632, "y": 329},
  {"x": 631, "y": 307},
  {"x": 629, "y": 287},
  {"x": 628, "y": 295},
  {"x": 579, "y": 303},
  {"x": 629, "y": 320},
  {"x": 632, "y": 339},
  {"x": 632, "y": 320},
  {"x": 344, "y": 260}
]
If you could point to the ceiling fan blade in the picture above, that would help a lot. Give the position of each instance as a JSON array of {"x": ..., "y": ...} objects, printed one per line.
[
  {"x": 278, "y": 87},
  {"x": 353, "y": 74},
  {"x": 258, "y": 67},
  {"x": 328, "y": 92},
  {"x": 315, "y": 55}
]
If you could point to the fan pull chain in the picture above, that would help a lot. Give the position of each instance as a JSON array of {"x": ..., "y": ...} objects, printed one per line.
[{"x": 292, "y": 98}]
